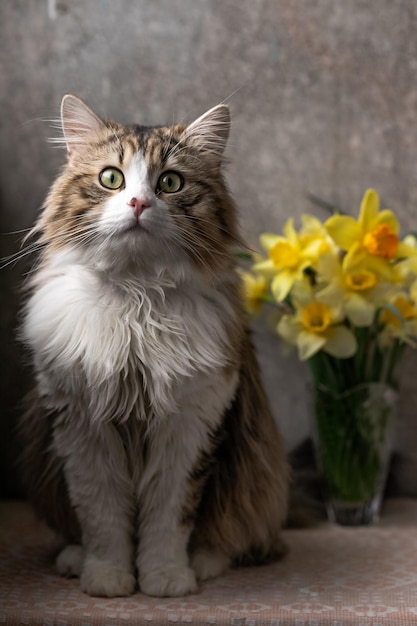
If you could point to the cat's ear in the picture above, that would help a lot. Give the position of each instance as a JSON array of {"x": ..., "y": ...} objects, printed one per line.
[
  {"x": 211, "y": 131},
  {"x": 79, "y": 124}
]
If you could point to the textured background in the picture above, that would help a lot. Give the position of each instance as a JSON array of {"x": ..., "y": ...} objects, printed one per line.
[{"x": 324, "y": 100}]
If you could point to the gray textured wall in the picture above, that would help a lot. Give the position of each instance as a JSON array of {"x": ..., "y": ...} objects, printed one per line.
[{"x": 323, "y": 96}]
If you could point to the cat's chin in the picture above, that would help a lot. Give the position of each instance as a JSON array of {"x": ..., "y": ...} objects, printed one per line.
[
  {"x": 140, "y": 242},
  {"x": 135, "y": 238},
  {"x": 140, "y": 234},
  {"x": 136, "y": 229},
  {"x": 137, "y": 248}
]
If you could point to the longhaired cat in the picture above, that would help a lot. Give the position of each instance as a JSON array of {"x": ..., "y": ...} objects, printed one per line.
[{"x": 148, "y": 440}]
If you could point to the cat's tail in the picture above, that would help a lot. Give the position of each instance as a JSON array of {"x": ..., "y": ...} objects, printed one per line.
[{"x": 260, "y": 555}]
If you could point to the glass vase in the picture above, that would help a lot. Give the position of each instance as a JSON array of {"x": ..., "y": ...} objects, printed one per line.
[{"x": 352, "y": 434}]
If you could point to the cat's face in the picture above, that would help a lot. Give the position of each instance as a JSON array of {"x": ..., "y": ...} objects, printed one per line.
[{"x": 139, "y": 194}]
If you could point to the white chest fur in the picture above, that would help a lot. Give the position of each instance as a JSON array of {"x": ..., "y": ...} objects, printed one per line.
[{"x": 112, "y": 340}]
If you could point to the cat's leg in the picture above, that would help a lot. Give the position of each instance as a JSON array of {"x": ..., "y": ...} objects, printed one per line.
[
  {"x": 177, "y": 460},
  {"x": 70, "y": 561},
  {"x": 164, "y": 532},
  {"x": 209, "y": 563},
  {"x": 100, "y": 490}
]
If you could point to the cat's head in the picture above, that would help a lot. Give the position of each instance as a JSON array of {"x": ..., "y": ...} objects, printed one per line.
[{"x": 141, "y": 195}]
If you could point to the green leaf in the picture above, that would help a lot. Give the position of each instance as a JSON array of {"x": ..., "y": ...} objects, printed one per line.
[
  {"x": 323, "y": 204},
  {"x": 247, "y": 256}
]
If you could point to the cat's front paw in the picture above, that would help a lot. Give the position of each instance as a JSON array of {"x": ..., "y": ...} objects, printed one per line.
[
  {"x": 209, "y": 563},
  {"x": 169, "y": 582},
  {"x": 70, "y": 560},
  {"x": 102, "y": 578}
]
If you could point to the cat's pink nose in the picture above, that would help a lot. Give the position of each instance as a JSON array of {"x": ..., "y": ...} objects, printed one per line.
[{"x": 139, "y": 205}]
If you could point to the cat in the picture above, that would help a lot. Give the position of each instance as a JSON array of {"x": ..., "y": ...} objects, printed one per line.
[{"x": 148, "y": 441}]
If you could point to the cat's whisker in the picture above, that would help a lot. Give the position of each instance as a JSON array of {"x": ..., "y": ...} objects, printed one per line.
[
  {"x": 181, "y": 147},
  {"x": 199, "y": 242},
  {"x": 167, "y": 151},
  {"x": 211, "y": 222},
  {"x": 71, "y": 236},
  {"x": 17, "y": 232},
  {"x": 19, "y": 255},
  {"x": 202, "y": 237},
  {"x": 184, "y": 244}
]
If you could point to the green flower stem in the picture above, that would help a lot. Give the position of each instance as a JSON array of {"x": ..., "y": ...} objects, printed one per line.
[
  {"x": 393, "y": 358},
  {"x": 351, "y": 417},
  {"x": 360, "y": 334},
  {"x": 348, "y": 439}
]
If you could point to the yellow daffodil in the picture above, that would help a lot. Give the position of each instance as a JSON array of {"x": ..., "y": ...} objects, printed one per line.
[
  {"x": 288, "y": 257},
  {"x": 359, "y": 292},
  {"x": 253, "y": 289},
  {"x": 312, "y": 230},
  {"x": 350, "y": 289},
  {"x": 316, "y": 326},
  {"x": 408, "y": 266},
  {"x": 400, "y": 320},
  {"x": 413, "y": 292},
  {"x": 372, "y": 241},
  {"x": 410, "y": 240}
]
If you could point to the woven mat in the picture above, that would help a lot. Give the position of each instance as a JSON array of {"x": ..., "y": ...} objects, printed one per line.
[{"x": 332, "y": 576}]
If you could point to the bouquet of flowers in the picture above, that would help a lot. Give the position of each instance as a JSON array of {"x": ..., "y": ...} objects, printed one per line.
[{"x": 347, "y": 292}]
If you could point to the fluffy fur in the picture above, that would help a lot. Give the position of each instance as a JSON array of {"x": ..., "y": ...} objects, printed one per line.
[{"x": 148, "y": 440}]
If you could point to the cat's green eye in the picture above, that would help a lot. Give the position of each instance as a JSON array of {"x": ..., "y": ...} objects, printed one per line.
[
  {"x": 170, "y": 182},
  {"x": 111, "y": 178}
]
